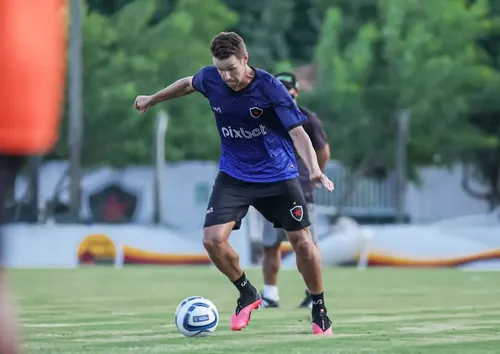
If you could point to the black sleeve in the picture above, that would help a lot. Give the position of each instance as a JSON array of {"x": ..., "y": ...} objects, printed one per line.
[{"x": 315, "y": 130}]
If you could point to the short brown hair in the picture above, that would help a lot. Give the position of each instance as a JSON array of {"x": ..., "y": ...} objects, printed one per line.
[{"x": 226, "y": 44}]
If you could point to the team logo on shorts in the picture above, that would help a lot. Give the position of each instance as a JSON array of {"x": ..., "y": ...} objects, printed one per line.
[
  {"x": 297, "y": 212},
  {"x": 256, "y": 112}
]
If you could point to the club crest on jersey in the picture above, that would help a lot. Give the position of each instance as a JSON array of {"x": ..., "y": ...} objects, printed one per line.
[
  {"x": 256, "y": 112},
  {"x": 297, "y": 212}
]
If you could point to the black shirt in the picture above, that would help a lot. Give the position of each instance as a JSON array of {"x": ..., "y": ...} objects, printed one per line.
[{"x": 314, "y": 129}]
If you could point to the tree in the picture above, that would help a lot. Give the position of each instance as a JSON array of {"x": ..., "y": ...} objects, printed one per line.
[
  {"x": 435, "y": 68},
  {"x": 343, "y": 81},
  {"x": 419, "y": 58},
  {"x": 126, "y": 54},
  {"x": 483, "y": 164},
  {"x": 263, "y": 25},
  {"x": 303, "y": 33}
]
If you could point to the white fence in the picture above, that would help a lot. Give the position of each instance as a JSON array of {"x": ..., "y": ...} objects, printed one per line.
[
  {"x": 187, "y": 187},
  {"x": 475, "y": 243}
]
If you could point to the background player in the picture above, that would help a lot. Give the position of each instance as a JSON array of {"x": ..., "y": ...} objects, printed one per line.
[
  {"x": 258, "y": 123},
  {"x": 32, "y": 67},
  {"x": 271, "y": 237}
]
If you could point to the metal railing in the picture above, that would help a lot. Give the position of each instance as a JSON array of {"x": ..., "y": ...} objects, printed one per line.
[{"x": 365, "y": 196}]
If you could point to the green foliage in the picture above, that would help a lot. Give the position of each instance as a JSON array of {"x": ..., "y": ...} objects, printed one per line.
[
  {"x": 343, "y": 90},
  {"x": 125, "y": 55},
  {"x": 421, "y": 58},
  {"x": 278, "y": 30},
  {"x": 374, "y": 58},
  {"x": 483, "y": 163}
]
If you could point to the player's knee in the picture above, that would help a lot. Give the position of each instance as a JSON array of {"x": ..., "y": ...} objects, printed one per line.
[
  {"x": 211, "y": 241},
  {"x": 271, "y": 252},
  {"x": 213, "y": 238},
  {"x": 302, "y": 243}
]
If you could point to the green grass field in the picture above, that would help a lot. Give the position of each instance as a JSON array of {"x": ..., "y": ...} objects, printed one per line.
[{"x": 131, "y": 310}]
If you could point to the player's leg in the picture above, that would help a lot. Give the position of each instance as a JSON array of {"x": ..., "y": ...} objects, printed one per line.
[
  {"x": 32, "y": 55},
  {"x": 288, "y": 209},
  {"x": 9, "y": 343},
  {"x": 221, "y": 253},
  {"x": 309, "y": 264},
  {"x": 307, "y": 302},
  {"x": 228, "y": 205},
  {"x": 271, "y": 261}
]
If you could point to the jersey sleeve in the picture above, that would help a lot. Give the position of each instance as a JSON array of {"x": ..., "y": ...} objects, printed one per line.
[
  {"x": 314, "y": 129},
  {"x": 199, "y": 81},
  {"x": 286, "y": 109}
]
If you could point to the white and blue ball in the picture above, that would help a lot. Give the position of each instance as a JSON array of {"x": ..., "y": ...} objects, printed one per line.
[{"x": 196, "y": 316}]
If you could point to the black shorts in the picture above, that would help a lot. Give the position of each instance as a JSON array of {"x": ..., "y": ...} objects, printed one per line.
[
  {"x": 9, "y": 167},
  {"x": 281, "y": 203}
]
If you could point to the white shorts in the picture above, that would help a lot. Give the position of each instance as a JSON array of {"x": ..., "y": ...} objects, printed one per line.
[{"x": 272, "y": 236}]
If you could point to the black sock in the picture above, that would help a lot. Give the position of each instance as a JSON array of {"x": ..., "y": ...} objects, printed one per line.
[
  {"x": 319, "y": 311},
  {"x": 244, "y": 285},
  {"x": 318, "y": 301}
]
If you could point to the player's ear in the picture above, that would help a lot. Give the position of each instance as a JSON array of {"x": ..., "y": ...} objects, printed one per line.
[{"x": 244, "y": 58}]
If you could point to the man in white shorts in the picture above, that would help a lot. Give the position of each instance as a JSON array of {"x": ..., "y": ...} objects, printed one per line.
[{"x": 271, "y": 237}]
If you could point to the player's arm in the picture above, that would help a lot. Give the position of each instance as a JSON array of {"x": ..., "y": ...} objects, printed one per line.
[
  {"x": 179, "y": 88},
  {"x": 316, "y": 133},
  {"x": 323, "y": 156},
  {"x": 293, "y": 119},
  {"x": 305, "y": 149}
]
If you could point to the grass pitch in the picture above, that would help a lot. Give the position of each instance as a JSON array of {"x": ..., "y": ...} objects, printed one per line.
[{"x": 131, "y": 310}]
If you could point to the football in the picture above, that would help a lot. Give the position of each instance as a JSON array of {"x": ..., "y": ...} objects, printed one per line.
[{"x": 196, "y": 316}]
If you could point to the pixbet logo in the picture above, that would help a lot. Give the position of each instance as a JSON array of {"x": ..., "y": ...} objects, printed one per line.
[{"x": 240, "y": 133}]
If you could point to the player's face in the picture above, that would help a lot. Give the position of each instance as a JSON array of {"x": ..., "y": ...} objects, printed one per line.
[
  {"x": 294, "y": 93},
  {"x": 232, "y": 70}
]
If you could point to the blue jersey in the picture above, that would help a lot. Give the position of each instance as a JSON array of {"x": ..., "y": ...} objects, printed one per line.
[{"x": 253, "y": 125}]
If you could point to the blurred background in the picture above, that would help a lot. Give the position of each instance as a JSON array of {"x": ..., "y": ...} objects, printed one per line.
[{"x": 408, "y": 96}]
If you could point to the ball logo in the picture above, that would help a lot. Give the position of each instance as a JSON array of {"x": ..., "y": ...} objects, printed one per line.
[
  {"x": 202, "y": 318},
  {"x": 240, "y": 133}
]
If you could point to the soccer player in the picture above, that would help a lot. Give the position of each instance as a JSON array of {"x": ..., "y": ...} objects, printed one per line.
[
  {"x": 32, "y": 61},
  {"x": 258, "y": 124},
  {"x": 271, "y": 237}
]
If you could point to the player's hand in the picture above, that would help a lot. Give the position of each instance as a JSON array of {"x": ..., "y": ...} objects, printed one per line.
[
  {"x": 320, "y": 177},
  {"x": 143, "y": 103}
]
